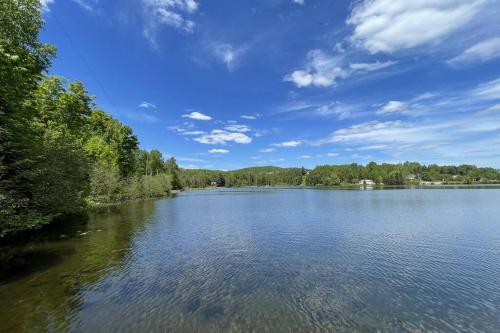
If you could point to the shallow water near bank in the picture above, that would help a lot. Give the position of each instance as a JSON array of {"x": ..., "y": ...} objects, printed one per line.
[{"x": 266, "y": 260}]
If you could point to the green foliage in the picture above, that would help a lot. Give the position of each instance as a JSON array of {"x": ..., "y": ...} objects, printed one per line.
[
  {"x": 23, "y": 59},
  {"x": 333, "y": 175},
  {"x": 57, "y": 153},
  {"x": 257, "y": 176},
  {"x": 399, "y": 174},
  {"x": 107, "y": 186}
]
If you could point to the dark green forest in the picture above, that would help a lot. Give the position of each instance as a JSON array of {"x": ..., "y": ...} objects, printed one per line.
[{"x": 60, "y": 155}]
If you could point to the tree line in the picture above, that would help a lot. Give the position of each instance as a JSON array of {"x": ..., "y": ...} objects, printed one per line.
[
  {"x": 256, "y": 176},
  {"x": 58, "y": 153},
  {"x": 334, "y": 175}
]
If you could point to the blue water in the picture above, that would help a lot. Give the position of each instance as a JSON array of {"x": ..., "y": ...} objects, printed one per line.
[{"x": 268, "y": 260}]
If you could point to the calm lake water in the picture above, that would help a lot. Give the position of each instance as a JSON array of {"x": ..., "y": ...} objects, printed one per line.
[{"x": 266, "y": 260}]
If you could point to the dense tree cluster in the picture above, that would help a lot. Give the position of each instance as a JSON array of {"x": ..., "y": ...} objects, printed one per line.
[
  {"x": 257, "y": 176},
  {"x": 58, "y": 154},
  {"x": 399, "y": 174}
]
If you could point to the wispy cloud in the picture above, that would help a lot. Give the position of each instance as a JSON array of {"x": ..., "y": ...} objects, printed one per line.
[
  {"x": 488, "y": 90},
  {"x": 187, "y": 128},
  {"x": 147, "y": 105},
  {"x": 218, "y": 151},
  {"x": 87, "y": 4},
  {"x": 238, "y": 128},
  {"x": 429, "y": 138},
  {"x": 228, "y": 54},
  {"x": 288, "y": 144},
  {"x": 249, "y": 117},
  {"x": 195, "y": 115},
  {"x": 267, "y": 150},
  {"x": 324, "y": 70},
  {"x": 171, "y": 13},
  {"x": 392, "y": 107},
  {"x": 483, "y": 51},
  {"x": 492, "y": 109},
  {"x": 315, "y": 109}
]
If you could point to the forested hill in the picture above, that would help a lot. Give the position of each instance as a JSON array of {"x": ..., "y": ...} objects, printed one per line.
[{"x": 331, "y": 175}]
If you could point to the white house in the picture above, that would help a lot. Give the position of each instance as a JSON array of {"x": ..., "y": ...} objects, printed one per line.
[{"x": 366, "y": 182}]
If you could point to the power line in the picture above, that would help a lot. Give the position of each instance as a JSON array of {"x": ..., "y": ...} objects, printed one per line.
[{"x": 82, "y": 59}]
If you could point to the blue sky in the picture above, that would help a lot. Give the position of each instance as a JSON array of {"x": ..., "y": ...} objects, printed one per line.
[{"x": 228, "y": 84}]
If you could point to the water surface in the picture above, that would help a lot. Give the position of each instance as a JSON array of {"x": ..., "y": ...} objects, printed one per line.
[{"x": 266, "y": 260}]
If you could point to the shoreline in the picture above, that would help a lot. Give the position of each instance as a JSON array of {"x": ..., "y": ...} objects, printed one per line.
[{"x": 350, "y": 186}]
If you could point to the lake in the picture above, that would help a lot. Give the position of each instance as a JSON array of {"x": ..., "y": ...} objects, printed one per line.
[{"x": 265, "y": 260}]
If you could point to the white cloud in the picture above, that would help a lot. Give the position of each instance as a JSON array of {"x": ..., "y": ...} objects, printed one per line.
[
  {"x": 323, "y": 70},
  {"x": 86, "y": 4},
  {"x": 222, "y": 137},
  {"x": 228, "y": 54},
  {"x": 193, "y": 133},
  {"x": 481, "y": 52},
  {"x": 390, "y": 25},
  {"x": 187, "y": 130},
  {"x": 305, "y": 156},
  {"x": 248, "y": 117},
  {"x": 287, "y": 144},
  {"x": 430, "y": 138},
  {"x": 392, "y": 107},
  {"x": 332, "y": 154},
  {"x": 197, "y": 116},
  {"x": 267, "y": 150},
  {"x": 147, "y": 105},
  {"x": 370, "y": 67},
  {"x": 300, "y": 2},
  {"x": 488, "y": 90},
  {"x": 491, "y": 109},
  {"x": 218, "y": 151},
  {"x": 342, "y": 111},
  {"x": 172, "y": 13},
  {"x": 238, "y": 128}
]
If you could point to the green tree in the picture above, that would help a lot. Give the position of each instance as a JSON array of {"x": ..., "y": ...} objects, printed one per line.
[
  {"x": 173, "y": 170},
  {"x": 23, "y": 60}
]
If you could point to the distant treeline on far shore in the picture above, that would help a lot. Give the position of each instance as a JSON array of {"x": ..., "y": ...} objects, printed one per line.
[{"x": 348, "y": 174}]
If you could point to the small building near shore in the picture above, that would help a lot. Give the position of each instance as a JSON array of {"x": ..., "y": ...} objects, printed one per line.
[
  {"x": 411, "y": 176},
  {"x": 213, "y": 184},
  {"x": 366, "y": 182}
]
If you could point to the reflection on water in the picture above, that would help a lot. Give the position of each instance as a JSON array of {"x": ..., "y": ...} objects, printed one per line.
[
  {"x": 254, "y": 260},
  {"x": 42, "y": 284}
]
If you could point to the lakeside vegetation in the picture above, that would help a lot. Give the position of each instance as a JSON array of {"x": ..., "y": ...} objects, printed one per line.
[
  {"x": 60, "y": 155},
  {"x": 348, "y": 174}
]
